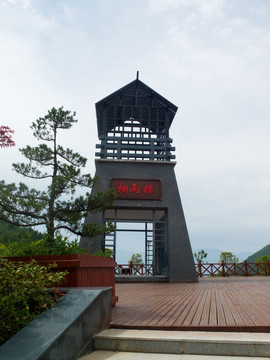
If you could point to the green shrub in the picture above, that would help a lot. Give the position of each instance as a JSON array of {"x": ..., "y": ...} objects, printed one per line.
[
  {"x": 62, "y": 246},
  {"x": 136, "y": 259},
  {"x": 23, "y": 247},
  {"x": 106, "y": 253},
  {"x": 3, "y": 250},
  {"x": 24, "y": 294}
]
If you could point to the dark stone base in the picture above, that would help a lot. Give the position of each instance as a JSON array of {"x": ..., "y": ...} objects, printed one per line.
[
  {"x": 139, "y": 279},
  {"x": 65, "y": 331},
  {"x": 179, "y": 265}
]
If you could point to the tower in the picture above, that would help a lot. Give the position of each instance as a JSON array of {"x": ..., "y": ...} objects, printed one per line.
[{"x": 135, "y": 158}]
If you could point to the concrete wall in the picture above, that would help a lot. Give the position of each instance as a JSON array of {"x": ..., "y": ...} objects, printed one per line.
[
  {"x": 65, "y": 331},
  {"x": 179, "y": 254}
]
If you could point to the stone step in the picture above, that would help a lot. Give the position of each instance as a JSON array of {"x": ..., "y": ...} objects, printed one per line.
[
  {"x": 123, "y": 355},
  {"x": 185, "y": 342}
]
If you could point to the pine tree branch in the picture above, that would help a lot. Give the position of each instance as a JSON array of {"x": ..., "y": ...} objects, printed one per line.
[
  {"x": 30, "y": 171},
  {"x": 34, "y": 176},
  {"x": 16, "y": 211},
  {"x": 73, "y": 158},
  {"x": 21, "y": 224}
]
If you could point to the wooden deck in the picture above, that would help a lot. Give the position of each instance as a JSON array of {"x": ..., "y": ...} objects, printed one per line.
[{"x": 212, "y": 304}]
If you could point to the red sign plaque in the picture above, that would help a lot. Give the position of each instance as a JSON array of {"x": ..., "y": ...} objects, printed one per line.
[{"x": 137, "y": 189}]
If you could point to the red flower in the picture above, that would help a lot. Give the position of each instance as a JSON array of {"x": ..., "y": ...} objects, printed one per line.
[{"x": 5, "y": 137}]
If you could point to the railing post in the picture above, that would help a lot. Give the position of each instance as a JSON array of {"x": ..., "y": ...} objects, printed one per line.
[
  {"x": 120, "y": 270},
  {"x": 222, "y": 268},
  {"x": 200, "y": 268},
  {"x": 246, "y": 268},
  {"x": 268, "y": 267},
  {"x": 131, "y": 267}
]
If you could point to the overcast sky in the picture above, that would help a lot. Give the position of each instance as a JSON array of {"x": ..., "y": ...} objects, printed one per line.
[{"x": 209, "y": 57}]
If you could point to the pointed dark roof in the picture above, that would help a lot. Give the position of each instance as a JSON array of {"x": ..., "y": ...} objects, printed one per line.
[{"x": 135, "y": 94}]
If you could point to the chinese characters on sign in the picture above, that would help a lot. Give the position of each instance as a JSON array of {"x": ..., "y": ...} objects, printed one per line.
[
  {"x": 134, "y": 188},
  {"x": 137, "y": 189}
]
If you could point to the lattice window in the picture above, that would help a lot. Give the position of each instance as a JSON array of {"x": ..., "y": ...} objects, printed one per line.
[{"x": 132, "y": 140}]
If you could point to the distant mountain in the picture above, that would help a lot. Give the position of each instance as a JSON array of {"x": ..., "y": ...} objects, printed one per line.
[
  {"x": 264, "y": 251},
  {"x": 123, "y": 256},
  {"x": 243, "y": 255},
  {"x": 10, "y": 233}
]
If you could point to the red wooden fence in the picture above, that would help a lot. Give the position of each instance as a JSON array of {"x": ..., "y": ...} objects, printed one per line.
[
  {"x": 134, "y": 269},
  {"x": 228, "y": 269},
  {"x": 203, "y": 269}
]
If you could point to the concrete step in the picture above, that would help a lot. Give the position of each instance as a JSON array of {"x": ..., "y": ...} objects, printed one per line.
[
  {"x": 185, "y": 342},
  {"x": 123, "y": 355}
]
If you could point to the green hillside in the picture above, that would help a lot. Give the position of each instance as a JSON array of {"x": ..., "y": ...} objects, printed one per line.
[
  {"x": 11, "y": 233},
  {"x": 263, "y": 251}
]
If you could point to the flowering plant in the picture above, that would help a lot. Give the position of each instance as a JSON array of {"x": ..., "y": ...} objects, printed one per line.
[{"x": 5, "y": 136}]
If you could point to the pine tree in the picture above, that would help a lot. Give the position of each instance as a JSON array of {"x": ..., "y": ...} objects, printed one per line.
[
  {"x": 228, "y": 257},
  {"x": 58, "y": 207},
  {"x": 200, "y": 255}
]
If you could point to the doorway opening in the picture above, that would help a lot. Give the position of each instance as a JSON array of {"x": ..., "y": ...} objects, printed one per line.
[{"x": 141, "y": 232}]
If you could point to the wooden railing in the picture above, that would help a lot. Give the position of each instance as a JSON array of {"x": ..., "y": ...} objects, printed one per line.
[
  {"x": 203, "y": 269},
  {"x": 228, "y": 269},
  {"x": 134, "y": 269}
]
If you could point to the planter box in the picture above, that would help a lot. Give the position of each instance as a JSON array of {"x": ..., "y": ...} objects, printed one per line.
[{"x": 84, "y": 270}]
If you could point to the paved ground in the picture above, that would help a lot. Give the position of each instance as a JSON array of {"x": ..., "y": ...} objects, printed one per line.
[
  {"x": 115, "y": 355},
  {"x": 179, "y": 345}
]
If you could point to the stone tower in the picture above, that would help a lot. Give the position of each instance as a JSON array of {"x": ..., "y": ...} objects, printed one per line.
[{"x": 135, "y": 158}]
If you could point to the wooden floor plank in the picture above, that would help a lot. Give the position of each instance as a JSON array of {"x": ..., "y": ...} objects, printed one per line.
[
  {"x": 213, "y": 308},
  {"x": 226, "y": 308},
  {"x": 173, "y": 314},
  {"x": 206, "y": 310},
  {"x": 179, "y": 313},
  {"x": 197, "y": 308},
  {"x": 200, "y": 309},
  {"x": 221, "y": 318},
  {"x": 226, "y": 304},
  {"x": 151, "y": 318},
  {"x": 232, "y": 307},
  {"x": 256, "y": 311}
]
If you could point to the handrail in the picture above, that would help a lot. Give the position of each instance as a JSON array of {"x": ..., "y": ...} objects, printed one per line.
[
  {"x": 226, "y": 269},
  {"x": 203, "y": 269},
  {"x": 134, "y": 269}
]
